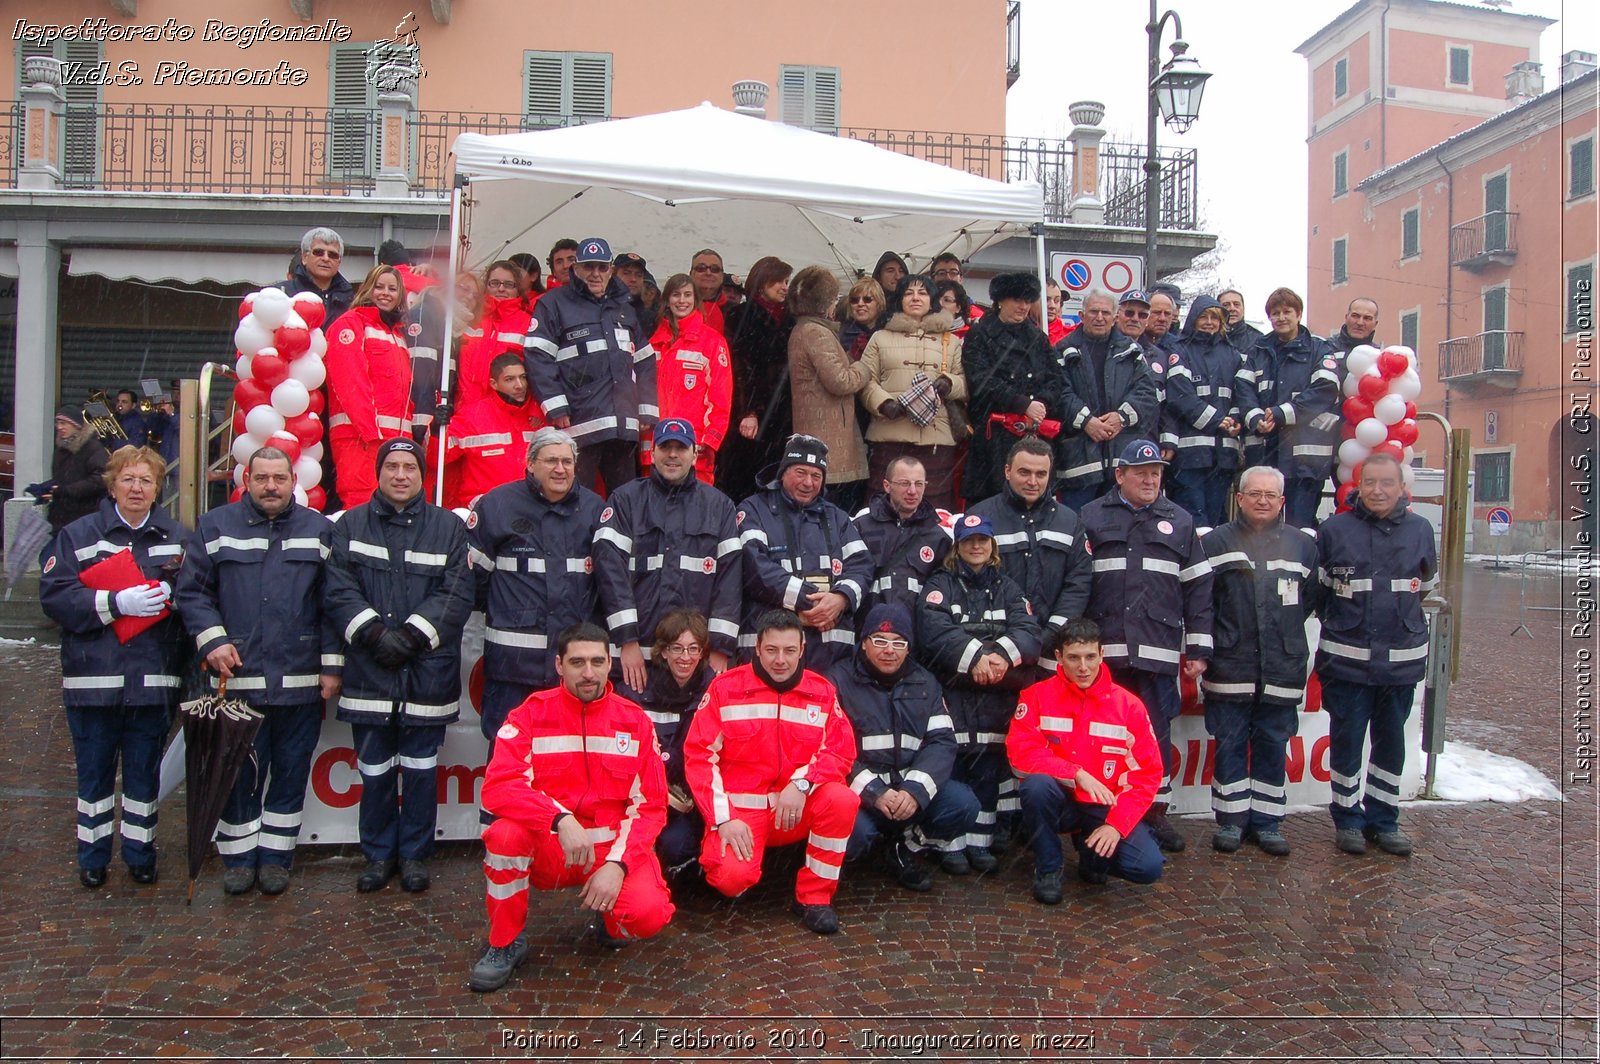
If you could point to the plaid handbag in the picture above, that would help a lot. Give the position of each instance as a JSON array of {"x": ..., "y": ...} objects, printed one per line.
[{"x": 920, "y": 400}]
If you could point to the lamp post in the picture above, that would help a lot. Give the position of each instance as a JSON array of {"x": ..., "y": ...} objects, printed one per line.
[{"x": 1173, "y": 93}]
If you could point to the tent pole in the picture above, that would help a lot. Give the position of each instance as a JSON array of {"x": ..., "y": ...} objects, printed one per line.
[
  {"x": 1044, "y": 270},
  {"x": 446, "y": 346}
]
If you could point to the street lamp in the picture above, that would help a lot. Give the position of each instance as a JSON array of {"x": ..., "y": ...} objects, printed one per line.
[{"x": 1173, "y": 93}]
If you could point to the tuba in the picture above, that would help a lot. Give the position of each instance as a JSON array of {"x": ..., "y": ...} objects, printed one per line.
[{"x": 97, "y": 414}]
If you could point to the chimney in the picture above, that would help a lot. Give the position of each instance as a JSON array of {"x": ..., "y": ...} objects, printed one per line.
[
  {"x": 750, "y": 98},
  {"x": 1524, "y": 83},
  {"x": 1575, "y": 65}
]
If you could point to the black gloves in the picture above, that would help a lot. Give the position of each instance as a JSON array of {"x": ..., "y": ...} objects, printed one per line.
[
  {"x": 891, "y": 409},
  {"x": 396, "y": 646},
  {"x": 942, "y": 386}
]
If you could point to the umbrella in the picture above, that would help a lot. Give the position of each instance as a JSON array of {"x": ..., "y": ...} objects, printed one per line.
[
  {"x": 26, "y": 543},
  {"x": 219, "y": 735}
]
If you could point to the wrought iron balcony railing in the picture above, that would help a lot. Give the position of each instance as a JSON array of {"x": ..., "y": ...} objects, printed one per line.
[
  {"x": 1013, "y": 42},
  {"x": 334, "y": 152},
  {"x": 1489, "y": 239},
  {"x": 1491, "y": 355}
]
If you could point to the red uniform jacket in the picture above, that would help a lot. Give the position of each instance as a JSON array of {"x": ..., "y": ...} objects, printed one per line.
[
  {"x": 748, "y": 742},
  {"x": 369, "y": 378},
  {"x": 599, "y": 762},
  {"x": 501, "y": 329},
  {"x": 694, "y": 379},
  {"x": 1059, "y": 728},
  {"x": 487, "y": 446}
]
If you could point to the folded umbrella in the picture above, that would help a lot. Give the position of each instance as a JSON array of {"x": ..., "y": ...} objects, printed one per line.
[
  {"x": 219, "y": 735},
  {"x": 33, "y": 531}
]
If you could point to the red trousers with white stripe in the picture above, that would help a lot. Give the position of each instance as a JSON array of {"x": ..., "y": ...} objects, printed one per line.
[
  {"x": 516, "y": 857},
  {"x": 825, "y": 824},
  {"x": 355, "y": 470}
]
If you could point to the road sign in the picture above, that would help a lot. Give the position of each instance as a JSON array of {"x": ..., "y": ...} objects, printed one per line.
[
  {"x": 1076, "y": 274},
  {"x": 1491, "y": 426},
  {"x": 1499, "y": 521}
]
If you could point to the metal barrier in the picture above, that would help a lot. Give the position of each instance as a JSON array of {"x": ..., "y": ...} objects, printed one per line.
[
  {"x": 1443, "y": 607},
  {"x": 212, "y": 447}
]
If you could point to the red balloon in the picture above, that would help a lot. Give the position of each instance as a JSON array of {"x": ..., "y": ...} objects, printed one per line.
[
  {"x": 311, "y": 309},
  {"x": 1347, "y": 430},
  {"x": 1372, "y": 388},
  {"x": 1404, "y": 433},
  {"x": 238, "y": 420},
  {"x": 317, "y": 402},
  {"x": 317, "y": 499},
  {"x": 250, "y": 394},
  {"x": 270, "y": 370},
  {"x": 1392, "y": 363},
  {"x": 1391, "y": 448},
  {"x": 1342, "y": 497},
  {"x": 1342, "y": 510},
  {"x": 236, "y": 495},
  {"x": 1357, "y": 409},
  {"x": 287, "y": 442},
  {"x": 292, "y": 341},
  {"x": 1411, "y": 411},
  {"x": 244, "y": 309},
  {"x": 306, "y": 427}
]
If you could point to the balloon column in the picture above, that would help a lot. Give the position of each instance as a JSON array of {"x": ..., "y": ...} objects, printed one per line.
[
  {"x": 1380, "y": 413},
  {"x": 277, "y": 400}
]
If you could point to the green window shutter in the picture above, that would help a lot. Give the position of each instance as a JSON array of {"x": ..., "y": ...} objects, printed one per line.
[
  {"x": 1580, "y": 181},
  {"x": 352, "y": 118},
  {"x": 808, "y": 96},
  {"x": 589, "y": 79}
]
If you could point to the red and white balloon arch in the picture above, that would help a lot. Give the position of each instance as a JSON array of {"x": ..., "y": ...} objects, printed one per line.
[
  {"x": 1380, "y": 413},
  {"x": 277, "y": 399}
]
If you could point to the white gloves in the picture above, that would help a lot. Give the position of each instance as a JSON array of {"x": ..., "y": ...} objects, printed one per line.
[{"x": 141, "y": 601}]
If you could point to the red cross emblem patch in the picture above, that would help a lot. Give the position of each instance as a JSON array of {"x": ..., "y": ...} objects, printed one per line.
[
  {"x": 708, "y": 565},
  {"x": 838, "y": 567},
  {"x": 926, "y": 554}
]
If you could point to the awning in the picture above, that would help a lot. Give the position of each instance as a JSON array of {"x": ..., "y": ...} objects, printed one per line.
[{"x": 259, "y": 268}]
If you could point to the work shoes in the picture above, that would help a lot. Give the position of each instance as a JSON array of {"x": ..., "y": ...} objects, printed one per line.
[
  {"x": 1272, "y": 842},
  {"x": 819, "y": 918},
  {"x": 497, "y": 964},
  {"x": 906, "y": 869},
  {"x": 143, "y": 874},
  {"x": 1394, "y": 842},
  {"x": 375, "y": 875},
  {"x": 238, "y": 880},
  {"x": 955, "y": 863},
  {"x": 1227, "y": 838},
  {"x": 1350, "y": 841},
  {"x": 414, "y": 876},
  {"x": 93, "y": 878},
  {"x": 1167, "y": 836},
  {"x": 273, "y": 878},
  {"x": 981, "y": 859},
  {"x": 1092, "y": 873},
  {"x": 1047, "y": 888}
]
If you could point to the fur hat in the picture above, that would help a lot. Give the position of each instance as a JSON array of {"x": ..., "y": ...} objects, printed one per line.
[
  {"x": 1023, "y": 286},
  {"x": 814, "y": 291}
]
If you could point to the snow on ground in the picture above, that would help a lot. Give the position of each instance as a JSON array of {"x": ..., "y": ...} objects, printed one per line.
[
  {"x": 28, "y": 642},
  {"x": 1467, "y": 774},
  {"x": 1547, "y": 561}
]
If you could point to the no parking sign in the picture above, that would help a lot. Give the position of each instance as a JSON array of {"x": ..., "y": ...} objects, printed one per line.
[{"x": 1077, "y": 274}]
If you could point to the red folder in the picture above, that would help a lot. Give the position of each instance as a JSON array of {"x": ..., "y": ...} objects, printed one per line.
[{"x": 118, "y": 573}]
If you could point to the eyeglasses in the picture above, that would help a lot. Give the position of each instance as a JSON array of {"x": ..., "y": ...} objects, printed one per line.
[
  {"x": 883, "y": 642},
  {"x": 136, "y": 482},
  {"x": 705, "y": 268},
  {"x": 1261, "y": 496},
  {"x": 557, "y": 462},
  {"x": 1138, "y": 314},
  {"x": 1096, "y": 312},
  {"x": 859, "y": 301},
  {"x": 907, "y": 485},
  {"x": 502, "y": 285},
  {"x": 325, "y": 253},
  {"x": 678, "y": 650}
]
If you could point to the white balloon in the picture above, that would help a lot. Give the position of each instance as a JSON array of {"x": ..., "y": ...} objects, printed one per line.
[
  {"x": 1391, "y": 409},
  {"x": 238, "y": 476},
  {"x": 1361, "y": 358},
  {"x": 1408, "y": 455},
  {"x": 263, "y": 421},
  {"x": 271, "y": 307},
  {"x": 300, "y": 496},
  {"x": 291, "y": 398},
  {"x": 293, "y": 320},
  {"x": 314, "y": 452},
  {"x": 1346, "y": 472},
  {"x": 245, "y": 446},
  {"x": 1353, "y": 451},
  {"x": 1407, "y": 474},
  {"x": 308, "y": 370},
  {"x": 241, "y": 366},
  {"x": 308, "y": 472},
  {"x": 1371, "y": 432},
  {"x": 251, "y": 335},
  {"x": 1407, "y": 386},
  {"x": 1352, "y": 385},
  {"x": 319, "y": 344}
]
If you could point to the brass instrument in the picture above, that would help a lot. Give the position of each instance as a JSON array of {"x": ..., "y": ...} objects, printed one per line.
[{"x": 97, "y": 414}]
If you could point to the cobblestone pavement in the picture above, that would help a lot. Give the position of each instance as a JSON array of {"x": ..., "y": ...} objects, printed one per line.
[{"x": 1481, "y": 946}]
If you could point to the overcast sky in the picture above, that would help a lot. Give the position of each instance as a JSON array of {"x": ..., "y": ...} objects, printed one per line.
[{"x": 1252, "y": 128}]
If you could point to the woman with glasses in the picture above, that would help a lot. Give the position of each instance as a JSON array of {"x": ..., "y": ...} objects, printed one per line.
[
  {"x": 123, "y": 653},
  {"x": 914, "y": 370},
  {"x": 369, "y": 382},
  {"x": 954, "y": 301},
  {"x": 758, "y": 337},
  {"x": 694, "y": 377},
  {"x": 977, "y": 633},
  {"x": 500, "y": 328},
  {"x": 863, "y": 307},
  {"x": 1201, "y": 420},
  {"x": 677, "y": 677}
]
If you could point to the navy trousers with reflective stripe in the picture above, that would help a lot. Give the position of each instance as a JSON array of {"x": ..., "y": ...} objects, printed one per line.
[
  {"x": 261, "y": 819},
  {"x": 1354, "y": 709},
  {"x": 1163, "y": 701},
  {"x": 399, "y": 766},
  {"x": 1247, "y": 780},
  {"x": 1204, "y": 493},
  {"x": 1048, "y": 810},
  {"x": 951, "y": 814},
  {"x": 1301, "y": 497},
  {"x": 100, "y": 735}
]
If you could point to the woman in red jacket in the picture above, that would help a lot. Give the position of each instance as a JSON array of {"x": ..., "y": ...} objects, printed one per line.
[
  {"x": 501, "y": 327},
  {"x": 369, "y": 382},
  {"x": 694, "y": 380}
]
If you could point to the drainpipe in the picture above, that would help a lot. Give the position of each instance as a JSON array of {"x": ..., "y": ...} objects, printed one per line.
[
  {"x": 1383, "y": 104},
  {"x": 1449, "y": 268}
]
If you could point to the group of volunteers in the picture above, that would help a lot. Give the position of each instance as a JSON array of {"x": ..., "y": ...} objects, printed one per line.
[{"x": 902, "y": 580}]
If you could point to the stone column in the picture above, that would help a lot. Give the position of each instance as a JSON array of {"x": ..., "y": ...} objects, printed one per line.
[
  {"x": 394, "y": 145},
  {"x": 43, "y": 113},
  {"x": 1085, "y": 207},
  {"x": 38, "y": 360}
]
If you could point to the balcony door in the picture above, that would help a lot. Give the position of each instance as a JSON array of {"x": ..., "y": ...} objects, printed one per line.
[
  {"x": 1494, "y": 328},
  {"x": 1495, "y": 228}
]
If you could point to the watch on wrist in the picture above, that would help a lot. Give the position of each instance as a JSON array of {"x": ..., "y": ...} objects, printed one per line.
[{"x": 803, "y": 786}]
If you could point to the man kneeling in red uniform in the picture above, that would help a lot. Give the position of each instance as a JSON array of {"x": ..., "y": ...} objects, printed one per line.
[
  {"x": 1089, "y": 766},
  {"x": 577, "y": 783},
  {"x": 766, "y": 759}
]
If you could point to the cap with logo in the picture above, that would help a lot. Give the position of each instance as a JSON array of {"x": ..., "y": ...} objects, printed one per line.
[
  {"x": 594, "y": 249},
  {"x": 1132, "y": 295},
  {"x": 804, "y": 450},
  {"x": 1141, "y": 452},
  {"x": 973, "y": 525},
  {"x": 674, "y": 430}
]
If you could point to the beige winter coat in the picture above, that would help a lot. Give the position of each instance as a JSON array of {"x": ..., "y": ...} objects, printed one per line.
[
  {"x": 822, "y": 384},
  {"x": 895, "y": 354}
]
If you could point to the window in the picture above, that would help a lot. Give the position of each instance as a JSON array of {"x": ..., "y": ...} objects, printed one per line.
[
  {"x": 1411, "y": 233},
  {"x": 352, "y": 113},
  {"x": 1580, "y": 297},
  {"x": 80, "y": 156},
  {"x": 1341, "y": 174},
  {"x": 1341, "y": 272},
  {"x": 565, "y": 88},
  {"x": 1580, "y": 170},
  {"x": 1494, "y": 328},
  {"x": 1408, "y": 329},
  {"x": 1460, "y": 65},
  {"x": 809, "y": 96},
  {"x": 1491, "y": 476},
  {"x": 1496, "y": 226},
  {"x": 1341, "y": 78}
]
